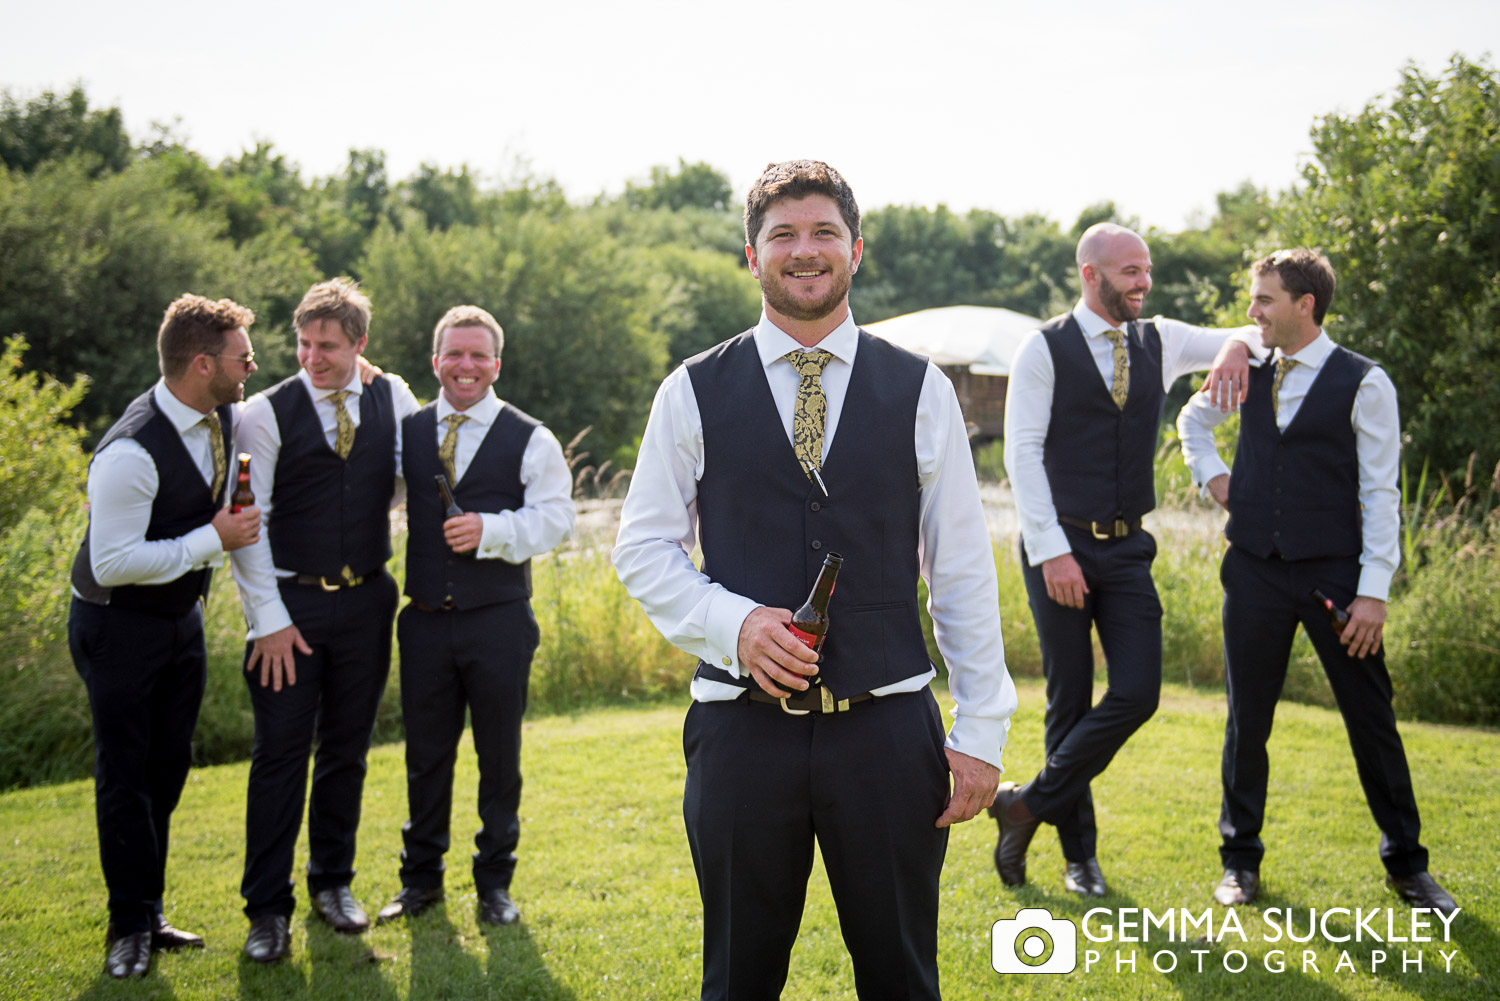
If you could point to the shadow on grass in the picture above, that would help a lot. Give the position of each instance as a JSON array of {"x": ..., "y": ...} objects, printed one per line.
[
  {"x": 153, "y": 985},
  {"x": 516, "y": 968},
  {"x": 444, "y": 965}
]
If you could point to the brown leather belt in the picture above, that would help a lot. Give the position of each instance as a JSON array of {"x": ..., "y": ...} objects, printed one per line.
[
  {"x": 1117, "y": 529},
  {"x": 337, "y": 583},
  {"x": 446, "y": 606},
  {"x": 817, "y": 699}
]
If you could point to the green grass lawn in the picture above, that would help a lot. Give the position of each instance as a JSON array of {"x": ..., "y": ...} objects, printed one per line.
[{"x": 610, "y": 907}]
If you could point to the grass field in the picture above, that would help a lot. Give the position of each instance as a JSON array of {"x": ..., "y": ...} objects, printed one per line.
[{"x": 610, "y": 904}]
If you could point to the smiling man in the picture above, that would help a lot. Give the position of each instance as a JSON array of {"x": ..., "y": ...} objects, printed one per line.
[
  {"x": 157, "y": 528},
  {"x": 319, "y": 606},
  {"x": 1313, "y": 504},
  {"x": 468, "y": 634},
  {"x": 1081, "y": 420},
  {"x": 797, "y": 438}
]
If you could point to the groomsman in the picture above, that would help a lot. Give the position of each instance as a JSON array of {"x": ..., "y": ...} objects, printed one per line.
[
  {"x": 157, "y": 527},
  {"x": 1312, "y": 504},
  {"x": 468, "y": 634},
  {"x": 319, "y": 606}
]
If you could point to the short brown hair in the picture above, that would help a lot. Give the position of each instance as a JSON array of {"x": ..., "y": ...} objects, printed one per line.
[
  {"x": 196, "y": 326},
  {"x": 1302, "y": 272},
  {"x": 798, "y": 179},
  {"x": 336, "y": 299},
  {"x": 468, "y": 316}
]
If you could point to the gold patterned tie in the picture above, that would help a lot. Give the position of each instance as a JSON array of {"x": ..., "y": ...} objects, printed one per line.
[
  {"x": 811, "y": 413},
  {"x": 1119, "y": 387},
  {"x": 1283, "y": 366},
  {"x": 216, "y": 446},
  {"x": 344, "y": 443},
  {"x": 449, "y": 447}
]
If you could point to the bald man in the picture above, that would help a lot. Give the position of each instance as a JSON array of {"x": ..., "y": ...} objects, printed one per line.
[{"x": 1081, "y": 419}]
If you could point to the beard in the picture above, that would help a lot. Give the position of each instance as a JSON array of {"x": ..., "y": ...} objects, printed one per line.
[
  {"x": 1114, "y": 300},
  {"x": 780, "y": 296},
  {"x": 226, "y": 390}
]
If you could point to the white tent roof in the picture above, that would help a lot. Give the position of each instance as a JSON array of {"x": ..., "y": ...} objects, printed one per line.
[{"x": 984, "y": 338}]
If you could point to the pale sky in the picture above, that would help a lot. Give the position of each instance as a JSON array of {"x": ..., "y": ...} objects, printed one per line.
[{"x": 999, "y": 105}]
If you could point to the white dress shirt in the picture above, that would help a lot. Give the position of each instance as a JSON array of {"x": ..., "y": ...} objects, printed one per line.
[
  {"x": 546, "y": 517},
  {"x": 1377, "y": 437},
  {"x": 659, "y": 528},
  {"x": 260, "y": 435},
  {"x": 123, "y": 484},
  {"x": 1028, "y": 409}
]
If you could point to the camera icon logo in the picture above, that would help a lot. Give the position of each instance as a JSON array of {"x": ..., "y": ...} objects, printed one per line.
[{"x": 1034, "y": 942}]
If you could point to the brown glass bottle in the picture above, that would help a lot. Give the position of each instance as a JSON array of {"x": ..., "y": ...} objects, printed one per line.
[
  {"x": 243, "y": 496},
  {"x": 450, "y": 507},
  {"x": 810, "y": 622},
  {"x": 1337, "y": 617}
]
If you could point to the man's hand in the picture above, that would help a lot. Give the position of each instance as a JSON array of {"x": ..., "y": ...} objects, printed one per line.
[
  {"x": 368, "y": 370},
  {"x": 237, "y": 530},
  {"x": 463, "y": 532},
  {"x": 1064, "y": 577},
  {"x": 974, "y": 785},
  {"x": 772, "y": 655},
  {"x": 274, "y": 655},
  {"x": 1228, "y": 382},
  {"x": 1218, "y": 489},
  {"x": 1366, "y": 623}
]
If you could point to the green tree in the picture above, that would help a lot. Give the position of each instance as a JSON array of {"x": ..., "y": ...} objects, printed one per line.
[
  {"x": 50, "y": 127},
  {"x": 41, "y": 461},
  {"x": 1403, "y": 197},
  {"x": 691, "y": 185}
]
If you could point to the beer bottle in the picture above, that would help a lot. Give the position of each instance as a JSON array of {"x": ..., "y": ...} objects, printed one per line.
[
  {"x": 1337, "y": 617},
  {"x": 810, "y": 622},
  {"x": 243, "y": 496},
  {"x": 450, "y": 507}
]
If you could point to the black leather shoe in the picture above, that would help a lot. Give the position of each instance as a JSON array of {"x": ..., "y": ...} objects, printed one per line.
[
  {"x": 410, "y": 902},
  {"x": 1239, "y": 886},
  {"x": 1010, "y": 850},
  {"x": 342, "y": 912},
  {"x": 270, "y": 938},
  {"x": 129, "y": 956},
  {"x": 164, "y": 936},
  {"x": 496, "y": 908},
  {"x": 1421, "y": 890},
  {"x": 1084, "y": 878}
]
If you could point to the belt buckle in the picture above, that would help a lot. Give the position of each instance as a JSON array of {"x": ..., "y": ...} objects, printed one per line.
[
  {"x": 1116, "y": 529},
  {"x": 792, "y": 712},
  {"x": 323, "y": 583}
]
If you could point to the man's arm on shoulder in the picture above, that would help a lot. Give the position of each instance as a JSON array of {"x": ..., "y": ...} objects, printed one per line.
[
  {"x": 957, "y": 560},
  {"x": 547, "y": 515},
  {"x": 1226, "y": 352},
  {"x": 122, "y": 487}
]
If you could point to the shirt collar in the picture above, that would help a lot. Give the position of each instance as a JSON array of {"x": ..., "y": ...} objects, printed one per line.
[
  {"x": 773, "y": 343},
  {"x": 482, "y": 413},
  {"x": 1092, "y": 324},
  {"x": 1314, "y": 355},
  {"x": 180, "y": 414},
  {"x": 354, "y": 387}
]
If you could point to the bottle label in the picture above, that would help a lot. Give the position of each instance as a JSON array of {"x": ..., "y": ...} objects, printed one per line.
[{"x": 814, "y": 642}]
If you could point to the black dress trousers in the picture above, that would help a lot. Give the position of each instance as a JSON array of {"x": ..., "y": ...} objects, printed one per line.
[
  {"x": 1264, "y": 600},
  {"x": 868, "y": 785},
  {"x": 1081, "y": 737},
  {"x": 479, "y": 658},
  {"x": 145, "y": 676},
  {"x": 335, "y": 699}
]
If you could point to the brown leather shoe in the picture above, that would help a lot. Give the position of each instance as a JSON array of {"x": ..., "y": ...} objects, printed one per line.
[
  {"x": 129, "y": 955},
  {"x": 1015, "y": 838},
  {"x": 496, "y": 908},
  {"x": 1421, "y": 890},
  {"x": 165, "y": 937},
  {"x": 410, "y": 902},
  {"x": 270, "y": 938},
  {"x": 342, "y": 912},
  {"x": 1085, "y": 878},
  {"x": 1239, "y": 886}
]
